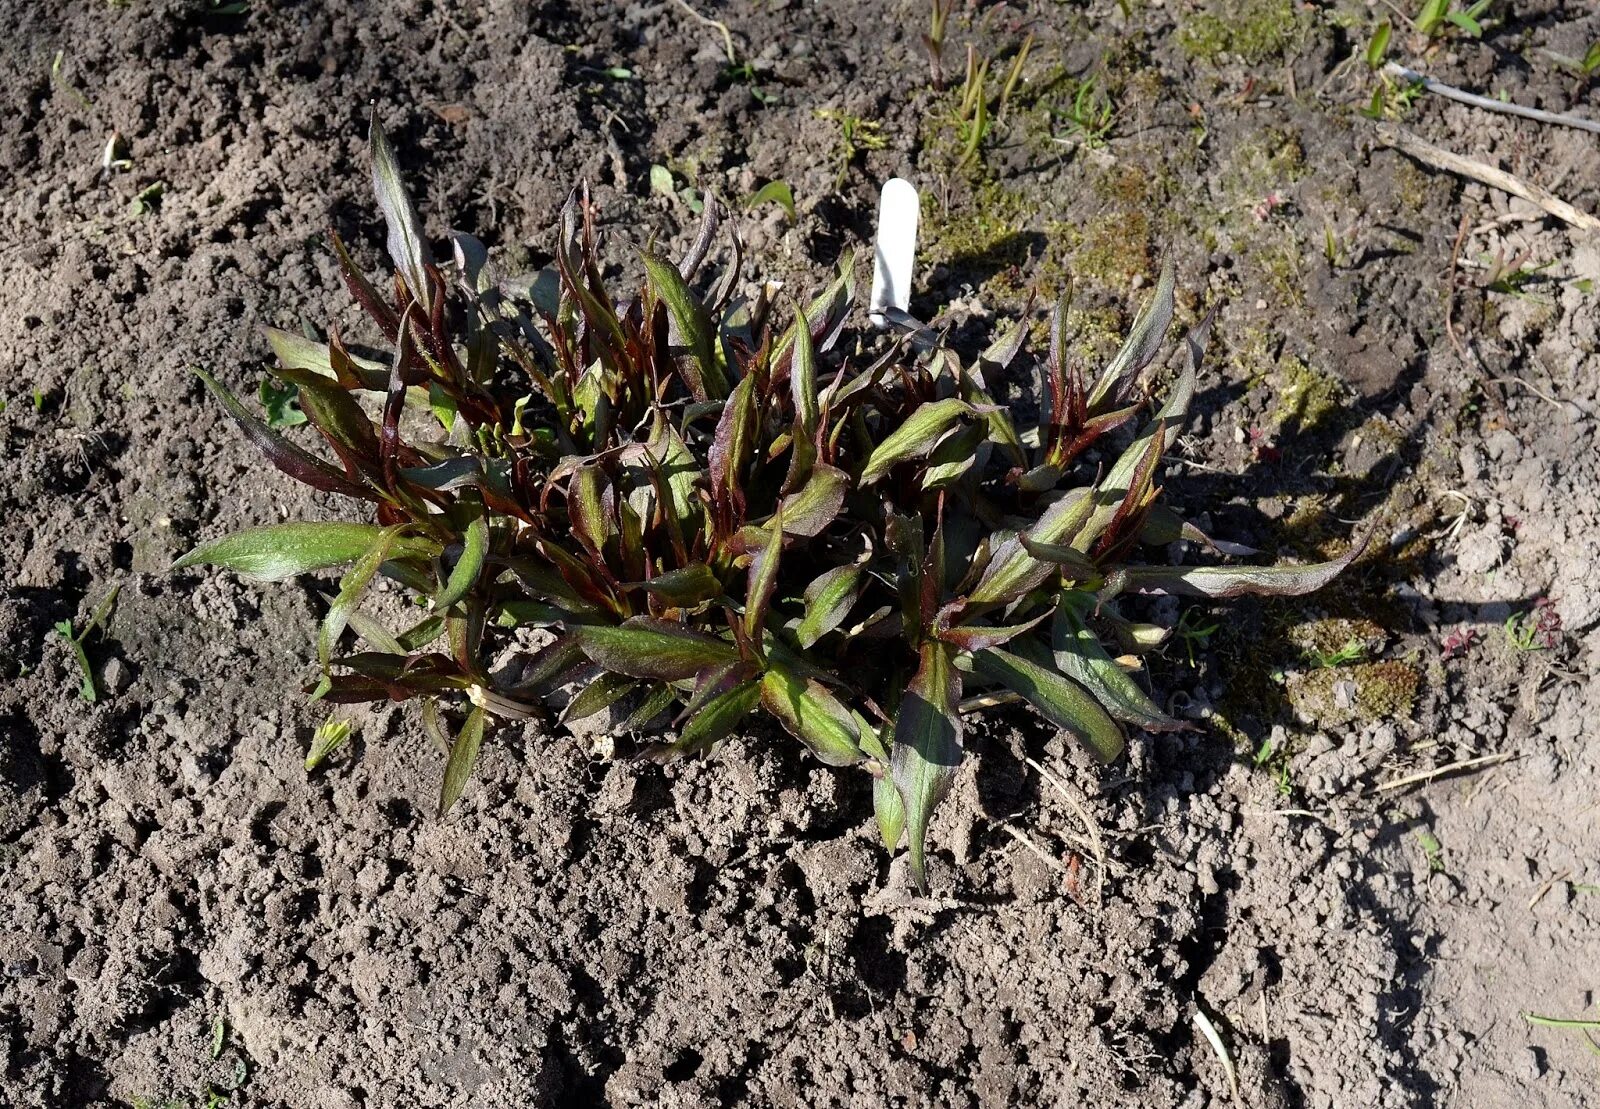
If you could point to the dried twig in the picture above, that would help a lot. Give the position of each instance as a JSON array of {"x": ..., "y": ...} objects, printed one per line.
[
  {"x": 1394, "y": 69},
  {"x": 1044, "y": 856},
  {"x": 1452, "y": 768},
  {"x": 727, "y": 36},
  {"x": 1096, "y": 845},
  {"x": 1450, "y": 290},
  {"x": 987, "y": 701},
  {"x": 1439, "y": 158},
  {"x": 1549, "y": 885}
]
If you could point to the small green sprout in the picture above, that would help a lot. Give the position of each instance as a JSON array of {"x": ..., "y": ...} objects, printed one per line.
[
  {"x": 281, "y": 400},
  {"x": 1538, "y": 629},
  {"x": 933, "y": 38},
  {"x": 1353, "y": 651},
  {"x": 1587, "y": 1028},
  {"x": 59, "y": 80},
  {"x": 75, "y": 640},
  {"x": 664, "y": 183},
  {"x": 1432, "y": 849},
  {"x": 1378, "y": 48},
  {"x": 856, "y": 135},
  {"x": 1195, "y": 633},
  {"x": 1438, "y": 16},
  {"x": 1275, "y": 760},
  {"x": 219, "y": 1035},
  {"x": 148, "y": 199},
  {"x": 1092, "y": 115},
  {"x": 328, "y": 738},
  {"x": 774, "y": 192}
]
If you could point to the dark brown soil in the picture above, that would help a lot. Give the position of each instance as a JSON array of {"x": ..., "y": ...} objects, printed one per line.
[{"x": 583, "y": 931}]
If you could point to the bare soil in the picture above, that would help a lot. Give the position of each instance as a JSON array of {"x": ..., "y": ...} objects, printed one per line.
[{"x": 584, "y": 930}]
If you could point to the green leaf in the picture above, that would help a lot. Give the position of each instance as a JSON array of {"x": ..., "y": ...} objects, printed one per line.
[
  {"x": 1142, "y": 344},
  {"x": 927, "y": 745},
  {"x": 694, "y": 324},
  {"x": 463, "y": 755},
  {"x": 408, "y": 246},
  {"x": 1378, "y": 48},
  {"x": 684, "y": 587},
  {"x": 731, "y": 444},
  {"x": 976, "y": 637},
  {"x": 351, "y": 587},
  {"x": 282, "y": 403},
  {"x": 715, "y": 720},
  {"x": 774, "y": 192},
  {"x": 803, "y": 378},
  {"x": 280, "y": 551},
  {"x": 1063, "y": 702},
  {"x": 1014, "y": 570},
  {"x": 1079, "y": 655},
  {"x": 914, "y": 438},
  {"x": 604, "y": 691},
  {"x": 86, "y": 688},
  {"x": 348, "y": 430},
  {"x": 1237, "y": 581},
  {"x": 464, "y": 575},
  {"x": 763, "y": 578},
  {"x": 828, "y": 600},
  {"x": 328, "y": 738},
  {"x": 661, "y": 182},
  {"x": 655, "y": 702},
  {"x": 644, "y": 647},
  {"x": 890, "y": 811},
  {"x": 810, "y": 509},
  {"x": 954, "y": 457},
  {"x": 813, "y": 715},
  {"x": 590, "y": 504}
]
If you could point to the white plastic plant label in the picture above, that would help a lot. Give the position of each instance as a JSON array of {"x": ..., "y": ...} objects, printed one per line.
[{"x": 895, "y": 252}]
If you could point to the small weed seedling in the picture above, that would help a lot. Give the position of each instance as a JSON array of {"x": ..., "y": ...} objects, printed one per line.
[
  {"x": 88, "y": 690},
  {"x": 1274, "y": 760},
  {"x": 1432, "y": 850},
  {"x": 1586, "y": 68},
  {"x": 1378, "y": 48},
  {"x": 774, "y": 192},
  {"x": 1536, "y": 630},
  {"x": 1439, "y": 16},
  {"x": 664, "y": 183},
  {"x": 707, "y": 513},
  {"x": 328, "y": 738},
  {"x": 1195, "y": 633},
  {"x": 281, "y": 403},
  {"x": 933, "y": 39},
  {"x": 1092, "y": 115},
  {"x": 855, "y": 136},
  {"x": 1588, "y": 1029},
  {"x": 1458, "y": 642},
  {"x": 1353, "y": 651}
]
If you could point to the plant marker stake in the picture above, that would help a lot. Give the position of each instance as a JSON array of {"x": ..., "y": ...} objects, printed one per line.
[{"x": 895, "y": 251}]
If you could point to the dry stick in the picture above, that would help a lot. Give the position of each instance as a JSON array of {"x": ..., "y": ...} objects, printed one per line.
[
  {"x": 987, "y": 701},
  {"x": 1549, "y": 885},
  {"x": 1439, "y": 158},
  {"x": 1096, "y": 847},
  {"x": 1450, "y": 324},
  {"x": 1049, "y": 860},
  {"x": 1430, "y": 775},
  {"x": 1394, "y": 69},
  {"x": 727, "y": 37}
]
